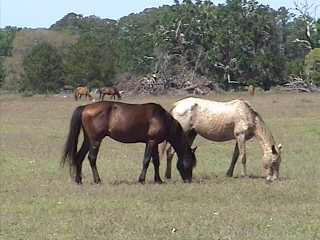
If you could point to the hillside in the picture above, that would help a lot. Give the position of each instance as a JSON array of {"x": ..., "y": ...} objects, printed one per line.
[{"x": 23, "y": 42}]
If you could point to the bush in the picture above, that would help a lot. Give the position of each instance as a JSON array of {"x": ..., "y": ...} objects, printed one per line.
[{"x": 43, "y": 69}]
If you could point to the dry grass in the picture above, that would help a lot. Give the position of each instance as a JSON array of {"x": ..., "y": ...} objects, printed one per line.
[{"x": 39, "y": 201}]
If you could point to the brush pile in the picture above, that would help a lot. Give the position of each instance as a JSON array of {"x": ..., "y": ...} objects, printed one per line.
[{"x": 154, "y": 84}]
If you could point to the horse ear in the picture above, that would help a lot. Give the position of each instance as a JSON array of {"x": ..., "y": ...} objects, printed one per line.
[
  {"x": 194, "y": 149},
  {"x": 279, "y": 147}
]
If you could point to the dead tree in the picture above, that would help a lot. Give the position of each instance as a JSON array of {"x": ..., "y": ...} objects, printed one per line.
[{"x": 304, "y": 8}]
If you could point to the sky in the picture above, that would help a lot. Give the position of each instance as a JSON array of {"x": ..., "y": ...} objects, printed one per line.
[{"x": 44, "y": 13}]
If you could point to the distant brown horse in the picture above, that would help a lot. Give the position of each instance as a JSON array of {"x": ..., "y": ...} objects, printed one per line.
[
  {"x": 82, "y": 91},
  {"x": 127, "y": 123},
  {"x": 251, "y": 90},
  {"x": 112, "y": 91}
]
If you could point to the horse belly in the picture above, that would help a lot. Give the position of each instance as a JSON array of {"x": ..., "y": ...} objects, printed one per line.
[
  {"x": 218, "y": 134},
  {"x": 129, "y": 134},
  {"x": 216, "y": 129}
]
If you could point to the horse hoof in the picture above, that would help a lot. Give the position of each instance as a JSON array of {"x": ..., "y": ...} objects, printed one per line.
[
  {"x": 159, "y": 181},
  {"x": 244, "y": 176},
  {"x": 142, "y": 181},
  {"x": 78, "y": 181},
  {"x": 269, "y": 180}
]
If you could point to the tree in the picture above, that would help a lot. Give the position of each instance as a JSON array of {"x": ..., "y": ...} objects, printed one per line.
[
  {"x": 43, "y": 69},
  {"x": 302, "y": 35},
  {"x": 92, "y": 60},
  {"x": 6, "y": 39},
  {"x": 6, "y": 44},
  {"x": 135, "y": 43},
  {"x": 312, "y": 66},
  {"x": 2, "y": 71},
  {"x": 309, "y": 28}
]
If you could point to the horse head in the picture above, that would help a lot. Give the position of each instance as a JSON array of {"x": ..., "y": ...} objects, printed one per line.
[
  {"x": 118, "y": 93},
  {"x": 271, "y": 163},
  {"x": 186, "y": 166}
]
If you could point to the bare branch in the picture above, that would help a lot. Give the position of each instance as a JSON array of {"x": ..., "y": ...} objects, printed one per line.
[{"x": 306, "y": 43}]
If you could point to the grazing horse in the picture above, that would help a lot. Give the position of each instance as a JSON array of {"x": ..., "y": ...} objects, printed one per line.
[
  {"x": 127, "y": 123},
  {"x": 223, "y": 121},
  {"x": 82, "y": 91},
  {"x": 251, "y": 90},
  {"x": 112, "y": 91}
]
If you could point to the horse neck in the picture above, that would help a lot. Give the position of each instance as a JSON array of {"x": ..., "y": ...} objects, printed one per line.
[
  {"x": 177, "y": 140},
  {"x": 263, "y": 135}
]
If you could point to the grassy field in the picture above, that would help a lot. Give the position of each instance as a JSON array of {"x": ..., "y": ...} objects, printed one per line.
[{"x": 38, "y": 200}]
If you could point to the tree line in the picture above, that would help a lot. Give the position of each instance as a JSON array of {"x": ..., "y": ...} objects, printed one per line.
[{"x": 238, "y": 43}]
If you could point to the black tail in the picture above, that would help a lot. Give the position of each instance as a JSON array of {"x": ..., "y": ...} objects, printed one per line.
[{"x": 70, "y": 148}]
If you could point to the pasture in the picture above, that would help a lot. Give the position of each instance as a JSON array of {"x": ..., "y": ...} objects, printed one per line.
[{"x": 38, "y": 200}]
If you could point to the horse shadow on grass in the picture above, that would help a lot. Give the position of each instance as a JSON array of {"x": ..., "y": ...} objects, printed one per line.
[
  {"x": 259, "y": 177},
  {"x": 129, "y": 182},
  {"x": 203, "y": 179}
]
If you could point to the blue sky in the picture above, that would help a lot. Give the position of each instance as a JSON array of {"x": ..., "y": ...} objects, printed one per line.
[{"x": 43, "y": 13}]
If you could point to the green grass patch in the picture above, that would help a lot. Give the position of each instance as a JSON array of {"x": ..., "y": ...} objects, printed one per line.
[{"x": 38, "y": 200}]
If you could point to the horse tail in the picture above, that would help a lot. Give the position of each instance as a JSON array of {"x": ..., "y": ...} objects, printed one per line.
[
  {"x": 76, "y": 95},
  {"x": 70, "y": 148}
]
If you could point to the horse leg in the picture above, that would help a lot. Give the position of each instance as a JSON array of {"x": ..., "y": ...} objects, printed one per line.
[
  {"x": 170, "y": 154},
  {"x": 242, "y": 153},
  {"x": 146, "y": 161},
  {"x": 191, "y": 135},
  {"x": 93, "y": 152},
  {"x": 80, "y": 156},
  {"x": 156, "y": 163},
  {"x": 233, "y": 161}
]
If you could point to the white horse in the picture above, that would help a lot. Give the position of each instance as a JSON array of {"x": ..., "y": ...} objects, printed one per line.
[{"x": 223, "y": 121}]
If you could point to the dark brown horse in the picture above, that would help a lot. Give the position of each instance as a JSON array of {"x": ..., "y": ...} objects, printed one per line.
[
  {"x": 127, "y": 123},
  {"x": 112, "y": 91},
  {"x": 82, "y": 91}
]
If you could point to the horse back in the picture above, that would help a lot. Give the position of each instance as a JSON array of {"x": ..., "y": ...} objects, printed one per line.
[
  {"x": 217, "y": 121},
  {"x": 82, "y": 90},
  {"x": 124, "y": 122}
]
